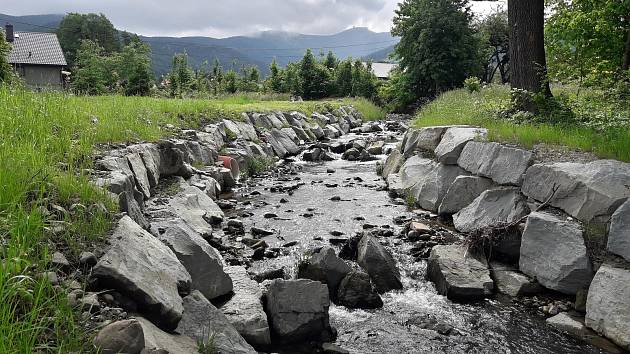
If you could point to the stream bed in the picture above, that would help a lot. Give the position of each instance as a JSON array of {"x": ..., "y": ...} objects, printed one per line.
[{"x": 304, "y": 207}]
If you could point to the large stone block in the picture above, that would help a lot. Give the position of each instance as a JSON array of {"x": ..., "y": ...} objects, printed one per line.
[
  {"x": 504, "y": 165},
  {"x": 453, "y": 142},
  {"x": 553, "y": 251},
  {"x": 458, "y": 274},
  {"x": 379, "y": 264},
  {"x": 463, "y": 191},
  {"x": 493, "y": 208},
  {"x": 608, "y": 304},
  {"x": 422, "y": 139},
  {"x": 619, "y": 235},
  {"x": 584, "y": 190}
]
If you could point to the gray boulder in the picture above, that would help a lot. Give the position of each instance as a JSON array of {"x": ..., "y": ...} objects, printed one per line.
[
  {"x": 240, "y": 130},
  {"x": 151, "y": 158},
  {"x": 158, "y": 341},
  {"x": 245, "y": 311},
  {"x": 205, "y": 323},
  {"x": 298, "y": 311},
  {"x": 323, "y": 265},
  {"x": 502, "y": 164},
  {"x": 120, "y": 337},
  {"x": 463, "y": 191},
  {"x": 282, "y": 144},
  {"x": 395, "y": 185},
  {"x": 392, "y": 164},
  {"x": 317, "y": 131},
  {"x": 128, "y": 204},
  {"x": 608, "y": 304},
  {"x": 196, "y": 209},
  {"x": 453, "y": 142},
  {"x": 458, "y": 274},
  {"x": 202, "y": 261},
  {"x": 619, "y": 234},
  {"x": 493, "y": 208},
  {"x": 509, "y": 281},
  {"x": 376, "y": 148},
  {"x": 173, "y": 160},
  {"x": 553, "y": 251},
  {"x": 379, "y": 264},
  {"x": 423, "y": 139},
  {"x": 291, "y": 134},
  {"x": 584, "y": 191},
  {"x": 357, "y": 292},
  {"x": 428, "y": 181},
  {"x": 140, "y": 174},
  {"x": 139, "y": 266}
]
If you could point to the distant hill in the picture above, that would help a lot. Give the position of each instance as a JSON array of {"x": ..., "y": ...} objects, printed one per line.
[
  {"x": 258, "y": 50},
  {"x": 381, "y": 56}
]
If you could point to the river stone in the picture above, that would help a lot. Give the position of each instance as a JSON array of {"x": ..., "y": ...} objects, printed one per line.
[
  {"x": 570, "y": 324},
  {"x": 202, "y": 261},
  {"x": 245, "y": 311},
  {"x": 463, "y": 191},
  {"x": 608, "y": 304},
  {"x": 424, "y": 139},
  {"x": 356, "y": 292},
  {"x": 502, "y": 164},
  {"x": 323, "y": 265},
  {"x": 196, "y": 209},
  {"x": 553, "y": 251},
  {"x": 124, "y": 336},
  {"x": 493, "y": 208},
  {"x": 158, "y": 341},
  {"x": 141, "y": 267},
  {"x": 202, "y": 322},
  {"x": 291, "y": 134},
  {"x": 140, "y": 174},
  {"x": 395, "y": 185},
  {"x": 392, "y": 164},
  {"x": 619, "y": 235},
  {"x": 428, "y": 181},
  {"x": 301, "y": 134},
  {"x": 298, "y": 311},
  {"x": 379, "y": 264},
  {"x": 317, "y": 131},
  {"x": 376, "y": 148},
  {"x": 457, "y": 274},
  {"x": 509, "y": 281},
  {"x": 585, "y": 190},
  {"x": 453, "y": 142}
]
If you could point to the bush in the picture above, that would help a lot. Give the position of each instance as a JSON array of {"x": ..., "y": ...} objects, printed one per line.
[{"x": 472, "y": 84}]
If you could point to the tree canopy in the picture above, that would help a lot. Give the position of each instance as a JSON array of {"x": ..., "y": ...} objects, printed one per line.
[{"x": 75, "y": 27}]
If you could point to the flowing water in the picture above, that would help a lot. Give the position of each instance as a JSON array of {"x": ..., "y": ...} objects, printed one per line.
[{"x": 308, "y": 215}]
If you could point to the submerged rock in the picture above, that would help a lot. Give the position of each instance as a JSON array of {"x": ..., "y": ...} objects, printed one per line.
[
  {"x": 379, "y": 264},
  {"x": 357, "y": 292},
  {"x": 459, "y": 275},
  {"x": 298, "y": 311},
  {"x": 141, "y": 267},
  {"x": 323, "y": 265},
  {"x": 509, "y": 281},
  {"x": 553, "y": 251}
]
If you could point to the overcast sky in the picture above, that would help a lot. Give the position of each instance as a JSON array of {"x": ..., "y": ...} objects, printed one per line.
[{"x": 227, "y": 17}]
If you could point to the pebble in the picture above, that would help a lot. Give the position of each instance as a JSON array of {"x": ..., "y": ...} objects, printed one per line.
[
  {"x": 88, "y": 259},
  {"x": 270, "y": 215},
  {"x": 260, "y": 232},
  {"x": 290, "y": 244}
]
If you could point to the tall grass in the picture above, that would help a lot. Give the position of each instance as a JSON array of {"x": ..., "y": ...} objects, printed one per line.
[
  {"x": 46, "y": 146},
  {"x": 461, "y": 107}
]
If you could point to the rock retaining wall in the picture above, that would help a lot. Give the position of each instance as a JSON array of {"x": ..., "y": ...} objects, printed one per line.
[{"x": 488, "y": 186}]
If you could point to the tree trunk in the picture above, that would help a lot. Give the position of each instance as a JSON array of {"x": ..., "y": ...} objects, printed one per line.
[
  {"x": 528, "y": 66},
  {"x": 626, "y": 56}
]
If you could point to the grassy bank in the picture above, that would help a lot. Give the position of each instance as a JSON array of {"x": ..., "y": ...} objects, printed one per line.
[
  {"x": 46, "y": 141},
  {"x": 599, "y": 124}
]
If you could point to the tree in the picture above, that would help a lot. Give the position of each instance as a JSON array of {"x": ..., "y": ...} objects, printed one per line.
[
  {"x": 133, "y": 65},
  {"x": 331, "y": 61},
  {"x": 274, "y": 82},
  {"x": 74, "y": 28},
  {"x": 6, "y": 71},
  {"x": 314, "y": 78},
  {"x": 92, "y": 74},
  {"x": 438, "y": 48},
  {"x": 496, "y": 35},
  {"x": 181, "y": 75},
  {"x": 343, "y": 78},
  {"x": 528, "y": 65}
]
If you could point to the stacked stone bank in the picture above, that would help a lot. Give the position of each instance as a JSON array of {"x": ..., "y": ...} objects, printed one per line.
[{"x": 454, "y": 170}]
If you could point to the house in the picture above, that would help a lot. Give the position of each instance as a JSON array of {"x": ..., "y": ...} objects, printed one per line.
[
  {"x": 382, "y": 70},
  {"x": 37, "y": 58}
]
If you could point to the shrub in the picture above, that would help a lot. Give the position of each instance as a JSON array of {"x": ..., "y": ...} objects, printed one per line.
[{"x": 472, "y": 84}]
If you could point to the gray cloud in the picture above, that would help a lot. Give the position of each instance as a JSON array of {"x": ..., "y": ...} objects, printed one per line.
[{"x": 222, "y": 18}]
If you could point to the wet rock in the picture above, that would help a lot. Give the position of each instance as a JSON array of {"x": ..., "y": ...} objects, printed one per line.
[
  {"x": 197, "y": 210},
  {"x": 331, "y": 348},
  {"x": 553, "y": 251},
  {"x": 493, "y": 208},
  {"x": 202, "y": 320},
  {"x": 504, "y": 165},
  {"x": 141, "y": 267},
  {"x": 352, "y": 154},
  {"x": 458, "y": 274},
  {"x": 267, "y": 274},
  {"x": 202, "y": 261},
  {"x": 270, "y": 216},
  {"x": 585, "y": 191},
  {"x": 619, "y": 234},
  {"x": 608, "y": 304},
  {"x": 158, "y": 341},
  {"x": 463, "y": 191},
  {"x": 379, "y": 264},
  {"x": 428, "y": 181},
  {"x": 509, "y": 281},
  {"x": 124, "y": 336},
  {"x": 323, "y": 265},
  {"x": 453, "y": 142},
  {"x": 256, "y": 231},
  {"x": 298, "y": 311},
  {"x": 290, "y": 244},
  {"x": 244, "y": 310},
  {"x": 357, "y": 292}
]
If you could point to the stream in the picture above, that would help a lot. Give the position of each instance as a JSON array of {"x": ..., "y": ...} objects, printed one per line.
[{"x": 305, "y": 218}]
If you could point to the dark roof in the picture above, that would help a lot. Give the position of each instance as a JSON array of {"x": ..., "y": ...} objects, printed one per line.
[{"x": 36, "y": 48}]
